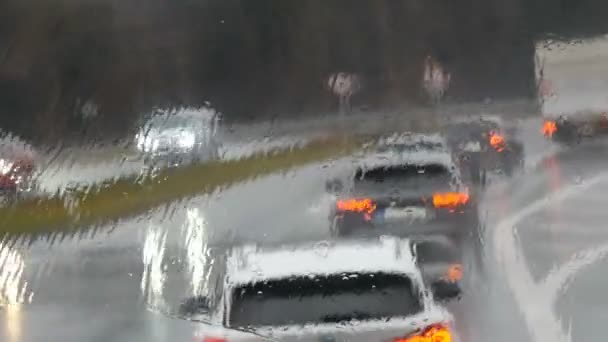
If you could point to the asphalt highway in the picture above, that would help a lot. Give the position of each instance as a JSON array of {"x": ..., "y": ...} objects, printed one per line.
[{"x": 543, "y": 250}]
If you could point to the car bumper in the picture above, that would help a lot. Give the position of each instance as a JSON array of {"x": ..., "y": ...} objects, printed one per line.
[
  {"x": 571, "y": 131},
  {"x": 458, "y": 226},
  {"x": 445, "y": 290}
]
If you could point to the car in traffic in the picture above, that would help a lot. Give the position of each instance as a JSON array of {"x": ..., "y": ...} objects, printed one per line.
[
  {"x": 572, "y": 129},
  {"x": 17, "y": 167},
  {"x": 485, "y": 144},
  {"x": 405, "y": 184},
  {"x": 340, "y": 290},
  {"x": 573, "y": 107},
  {"x": 441, "y": 264},
  {"x": 179, "y": 137}
]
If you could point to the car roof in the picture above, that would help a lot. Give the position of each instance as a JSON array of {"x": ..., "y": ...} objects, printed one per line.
[
  {"x": 471, "y": 119},
  {"x": 387, "y": 159},
  {"x": 250, "y": 264},
  {"x": 426, "y": 149},
  {"x": 410, "y": 138},
  {"x": 197, "y": 113}
]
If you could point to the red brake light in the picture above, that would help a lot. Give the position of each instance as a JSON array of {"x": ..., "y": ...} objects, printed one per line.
[
  {"x": 434, "y": 333},
  {"x": 549, "y": 128},
  {"x": 7, "y": 181},
  {"x": 214, "y": 339},
  {"x": 357, "y": 205},
  {"x": 450, "y": 200},
  {"x": 497, "y": 141},
  {"x": 454, "y": 273}
]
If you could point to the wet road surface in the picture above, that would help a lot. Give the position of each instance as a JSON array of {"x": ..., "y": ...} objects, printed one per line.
[{"x": 543, "y": 256}]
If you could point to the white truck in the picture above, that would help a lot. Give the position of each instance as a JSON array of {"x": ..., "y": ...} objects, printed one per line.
[{"x": 573, "y": 88}]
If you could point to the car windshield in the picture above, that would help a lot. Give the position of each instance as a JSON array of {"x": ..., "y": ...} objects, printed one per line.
[
  {"x": 170, "y": 122},
  {"x": 324, "y": 300},
  {"x": 142, "y": 139}
]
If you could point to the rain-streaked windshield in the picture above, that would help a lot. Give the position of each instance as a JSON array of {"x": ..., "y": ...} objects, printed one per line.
[
  {"x": 181, "y": 122},
  {"x": 157, "y": 154},
  {"x": 404, "y": 148},
  {"x": 324, "y": 300},
  {"x": 401, "y": 177}
]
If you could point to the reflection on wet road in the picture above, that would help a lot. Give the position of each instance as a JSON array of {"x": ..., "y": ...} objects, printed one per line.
[
  {"x": 555, "y": 242},
  {"x": 544, "y": 245}
]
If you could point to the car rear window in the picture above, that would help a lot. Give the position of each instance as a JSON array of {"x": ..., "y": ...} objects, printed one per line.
[
  {"x": 380, "y": 174},
  {"x": 324, "y": 299},
  {"x": 429, "y": 146},
  {"x": 403, "y": 179}
]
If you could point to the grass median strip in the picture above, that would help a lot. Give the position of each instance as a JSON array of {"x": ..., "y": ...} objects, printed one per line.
[{"x": 132, "y": 196}]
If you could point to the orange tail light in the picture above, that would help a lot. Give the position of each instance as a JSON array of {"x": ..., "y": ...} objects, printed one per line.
[
  {"x": 454, "y": 273},
  {"x": 497, "y": 141},
  {"x": 549, "y": 128},
  {"x": 214, "y": 339},
  {"x": 450, "y": 199},
  {"x": 434, "y": 333},
  {"x": 357, "y": 205}
]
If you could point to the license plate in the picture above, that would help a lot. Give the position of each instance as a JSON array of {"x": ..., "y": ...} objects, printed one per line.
[{"x": 407, "y": 214}]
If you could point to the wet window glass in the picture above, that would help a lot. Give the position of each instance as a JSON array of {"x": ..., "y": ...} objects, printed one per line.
[
  {"x": 324, "y": 299},
  {"x": 144, "y": 144},
  {"x": 425, "y": 177}
]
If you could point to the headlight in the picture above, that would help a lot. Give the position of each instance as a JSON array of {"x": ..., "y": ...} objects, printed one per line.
[
  {"x": 5, "y": 166},
  {"x": 187, "y": 140},
  {"x": 140, "y": 141},
  {"x": 145, "y": 143}
]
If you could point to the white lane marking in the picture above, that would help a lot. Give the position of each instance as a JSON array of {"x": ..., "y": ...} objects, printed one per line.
[
  {"x": 536, "y": 300},
  {"x": 560, "y": 277},
  {"x": 14, "y": 288},
  {"x": 153, "y": 277},
  {"x": 197, "y": 251}
]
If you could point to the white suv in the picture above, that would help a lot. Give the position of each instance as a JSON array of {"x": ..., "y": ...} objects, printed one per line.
[{"x": 347, "y": 290}]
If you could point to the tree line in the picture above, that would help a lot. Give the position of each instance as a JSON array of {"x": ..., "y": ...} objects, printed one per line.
[{"x": 249, "y": 59}]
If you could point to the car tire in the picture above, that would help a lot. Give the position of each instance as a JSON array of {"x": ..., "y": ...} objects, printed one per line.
[
  {"x": 567, "y": 134},
  {"x": 512, "y": 160},
  {"x": 339, "y": 229},
  {"x": 476, "y": 172},
  {"x": 507, "y": 164},
  {"x": 483, "y": 178}
]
